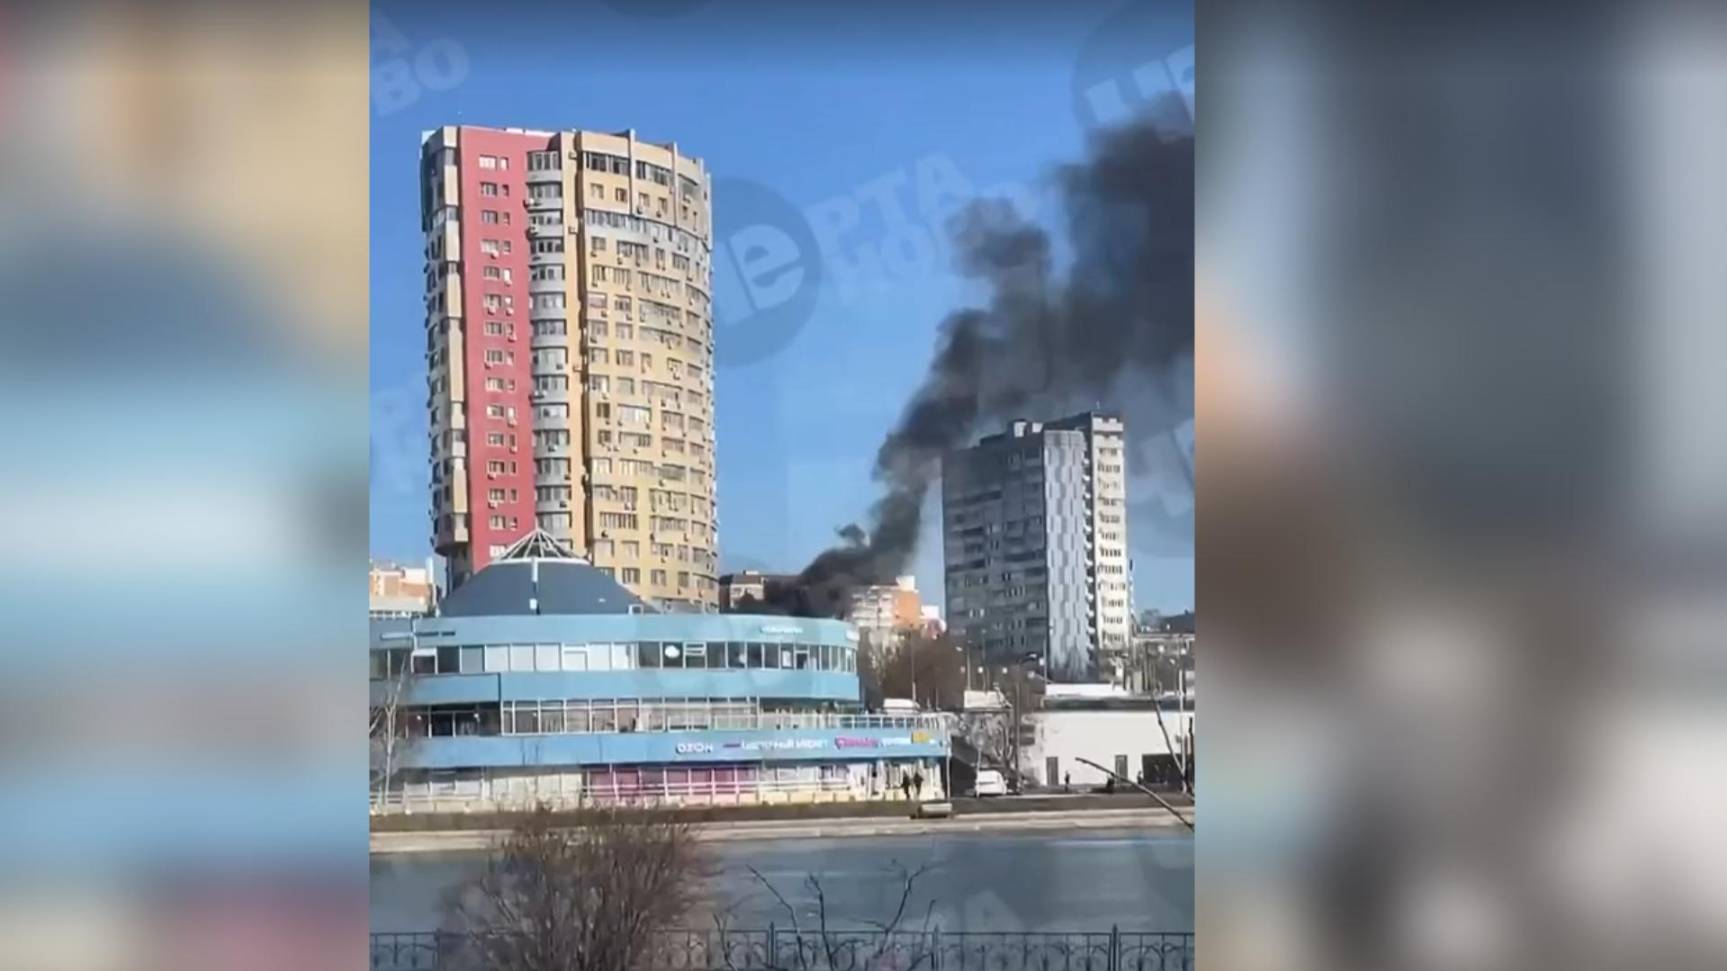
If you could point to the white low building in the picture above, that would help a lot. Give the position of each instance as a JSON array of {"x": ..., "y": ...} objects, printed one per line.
[{"x": 1125, "y": 734}]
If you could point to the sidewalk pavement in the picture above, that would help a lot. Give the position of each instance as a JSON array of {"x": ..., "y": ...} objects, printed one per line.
[{"x": 448, "y": 841}]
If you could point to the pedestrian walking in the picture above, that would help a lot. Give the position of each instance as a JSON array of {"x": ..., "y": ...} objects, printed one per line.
[
  {"x": 917, "y": 783},
  {"x": 905, "y": 786},
  {"x": 1067, "y": 782}
]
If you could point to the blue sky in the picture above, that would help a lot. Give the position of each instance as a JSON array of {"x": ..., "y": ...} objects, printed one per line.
[{"x": 887, "y": 119}]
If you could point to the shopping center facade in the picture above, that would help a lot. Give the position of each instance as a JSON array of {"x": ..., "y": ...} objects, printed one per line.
[{"x": 543, "y": 680}]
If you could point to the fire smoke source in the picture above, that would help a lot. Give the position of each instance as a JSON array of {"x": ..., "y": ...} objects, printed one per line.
[{"x": 1116, "y": 329}]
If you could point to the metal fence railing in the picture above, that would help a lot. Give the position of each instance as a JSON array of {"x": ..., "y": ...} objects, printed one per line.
[{"x": 779, "y": 949}]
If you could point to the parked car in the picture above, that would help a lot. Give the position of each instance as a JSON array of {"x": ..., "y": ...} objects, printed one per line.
[{"x": 989, "y": 783}]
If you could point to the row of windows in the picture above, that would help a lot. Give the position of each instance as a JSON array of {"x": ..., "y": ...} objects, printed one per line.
[
  {"x": 659, "y": 655},
  {"x": 579, "y": 715},
  {"x": 627, "y": 783}
]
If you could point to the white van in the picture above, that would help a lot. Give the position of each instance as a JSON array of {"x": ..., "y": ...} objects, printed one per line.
[{"x": 990, "y": 782}]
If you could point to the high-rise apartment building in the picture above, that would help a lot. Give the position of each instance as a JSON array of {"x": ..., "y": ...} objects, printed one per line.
[
  {"x": 1034, "y": 525},
  {"x": 569, "y": 346}
]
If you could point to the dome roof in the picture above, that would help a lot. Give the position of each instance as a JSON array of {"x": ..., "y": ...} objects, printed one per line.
[{"x": 539, "y": 576}]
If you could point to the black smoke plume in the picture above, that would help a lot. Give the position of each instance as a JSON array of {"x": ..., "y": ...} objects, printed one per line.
[{"x": 1115, "y": 331}]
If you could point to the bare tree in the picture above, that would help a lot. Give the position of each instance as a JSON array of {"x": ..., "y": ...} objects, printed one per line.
[
  {"x": 888, "y": 944},
  {"x": 386, "y": 728},
  {"x": 995, "y": 733},
  {"x": 929, "y": 669},
  {"x": 580, "y": 891}
]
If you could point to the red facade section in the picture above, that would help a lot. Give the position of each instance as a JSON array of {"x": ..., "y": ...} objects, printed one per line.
[{"x": 492, "y": 165}]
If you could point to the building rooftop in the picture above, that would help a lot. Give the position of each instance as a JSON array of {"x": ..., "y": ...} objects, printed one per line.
[{"x": 538, "y": 575}]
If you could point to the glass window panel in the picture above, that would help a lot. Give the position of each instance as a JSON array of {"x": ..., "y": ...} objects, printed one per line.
[
  {"x": 736, "y": 651},
  {"x": 620, "y": 657},
  {"x": 755, "y": 653},
  {"x": 576, "y": 717},
  {"x": 605, "y": 718},
  {"x": 546, "y": 657},
  {"x": 648, "y": 654},
  {"x": 653, "y": 717},
  {"x": 497, "y": 658},
  {"x": 527, "y": 718},
  {"x": 575, "y": 658},
  {"x": 449, "y": 660},
  {"x": 552, "y": 717},
  {"x": 489, "y": 721},
  {"x": 425, "y": 663},
  {"x": 784, "y": 657},
  {"x": 521, "y": 657},
  {"x": 380, "y": 664},
  {"x": 473, "y": 660}
]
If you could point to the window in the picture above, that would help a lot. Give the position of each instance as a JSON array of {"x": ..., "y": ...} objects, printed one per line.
[
  {"x": 472, "y": 660},
  {"x": 497, "y": 658},
  {"x": 489, "y": 217},
  {"x": 546, "y": 657},
  {"x": 488, "y": 162},
  {"x": 596, "y": 191},
  {"x": 631, "y": 574},
  {"x": 622, "y": 195},
  {"x": 521, "y": 657},
  {"x": 494, "y": 328},
  {"x": 543, "y": 161},
  {"x": 488, "y": 188},
  {"x": 449, "y": 660}
]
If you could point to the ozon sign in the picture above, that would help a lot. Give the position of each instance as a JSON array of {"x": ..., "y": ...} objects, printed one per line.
[{"x": 694, "y": 748}]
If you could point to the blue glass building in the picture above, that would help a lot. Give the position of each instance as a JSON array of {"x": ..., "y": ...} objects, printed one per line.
[{"x": 543, "y": 679}]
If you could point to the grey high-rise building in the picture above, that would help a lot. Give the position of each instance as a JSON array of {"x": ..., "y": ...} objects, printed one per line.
[{"x": 1034, "y": 529}]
